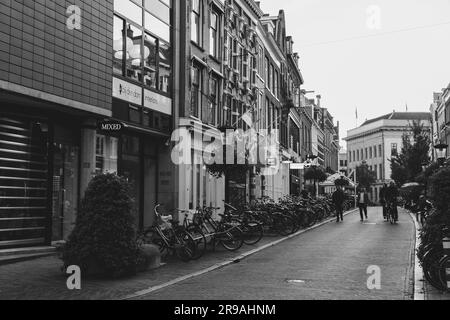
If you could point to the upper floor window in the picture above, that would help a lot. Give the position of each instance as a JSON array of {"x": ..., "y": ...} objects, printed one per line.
[
  {"x": 142, "y": 35},
  {"x": 196, "y": 91},
  {"x": 196, "y": 24},
  {"x": 375, "y": 151},
  {"x": 214, "y": 35},
  {"x": 394, "y": 150},
  {"x": 213, "y": 101}
]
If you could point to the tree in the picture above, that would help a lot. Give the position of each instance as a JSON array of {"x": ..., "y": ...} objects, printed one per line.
[
  {"x": 364, "y": 176},
  {"x": 316, "y": 174},
  {"x": 407, "y": 166}
]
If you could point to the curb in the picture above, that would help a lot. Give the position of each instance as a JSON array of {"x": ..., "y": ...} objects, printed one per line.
[
  {"x": 228, "y": 262},
  {"x": 419, "y": 281}
]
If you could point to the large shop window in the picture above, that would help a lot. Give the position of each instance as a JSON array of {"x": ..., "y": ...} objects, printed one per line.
[
  {"x": 119, "y": 49},
  {"x": 142, "y": 47}
]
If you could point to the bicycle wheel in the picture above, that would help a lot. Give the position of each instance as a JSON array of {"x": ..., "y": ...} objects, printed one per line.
[
  {"x": 185, "y": 247},
  {"x": 283, "y": 225},
  {"x": 252, "y": 232},
  {"x": 152, "y": 237},
  {"x": 200, "y": 241},
  {"x": 231, "y": 238},
  {"x": 431, "y": 269},
  {"x": 444, "y": 264}
]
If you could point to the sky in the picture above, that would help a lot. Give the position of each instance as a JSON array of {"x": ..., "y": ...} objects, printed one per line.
[{"x": 374, "y": 56}]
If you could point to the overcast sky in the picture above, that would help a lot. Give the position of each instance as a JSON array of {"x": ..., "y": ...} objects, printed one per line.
[{"x": 375, "y": 70}]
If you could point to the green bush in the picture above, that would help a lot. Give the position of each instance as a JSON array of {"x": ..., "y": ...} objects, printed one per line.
[
  {"x": 440, "y": 189},
  {"x": 103, "y": 242}
]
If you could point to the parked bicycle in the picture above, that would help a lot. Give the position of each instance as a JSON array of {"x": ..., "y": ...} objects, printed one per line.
[{"x": 170, "y": 237}]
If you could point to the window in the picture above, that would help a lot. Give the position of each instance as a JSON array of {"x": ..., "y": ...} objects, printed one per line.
[
  {"x": 118, "y": 44},
  {"x": 214, "y": 35},
  {"x": 375, "y": 172},
  {"x": 165, "y": 67},
  {"x": 370, "y": 153},
  {"x": 129, "y": 9},
  {"x": 266, "y": 71},
  {"x": 196, "y": 97},
  {"x": 375, "y": 151},
  {"x": 350, "y": 156},
  {"x": 150, "y": 63},
  {"x": 133, "y": 57},
  {"x": 365, "y": 154},
  {"x": 275, "y": 84},
  {"x": 157, "y": 27},
  {"x": 354, "y": 158},
  {"x": 394, "y": 151},
  {"x": 380, "y": 151},
  {"x": 196, "y": 22},
  {"x": 213, "y": 100},
  {"x": 271, "y": 75},
  {"x": 357, "y": 155},
  {"x": 381, "y": 172},
  {"x": 159, "y": 9}
]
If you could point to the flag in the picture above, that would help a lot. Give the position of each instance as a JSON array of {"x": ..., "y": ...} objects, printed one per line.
[
  {"x": 406, "y": 107},
  {"x": 247, "y": 118},
  {"x": 356, "y": 113}
]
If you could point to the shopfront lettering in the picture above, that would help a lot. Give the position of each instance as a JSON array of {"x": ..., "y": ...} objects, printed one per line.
[{"x": 110, "y": 126}]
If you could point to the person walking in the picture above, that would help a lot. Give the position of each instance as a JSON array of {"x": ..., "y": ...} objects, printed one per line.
[
  {"x": 383, "y": 200},
  {"x": 363, "y": 201},
  {"x": 338, "y": 201},
  {"x": 391, "y": 198}
]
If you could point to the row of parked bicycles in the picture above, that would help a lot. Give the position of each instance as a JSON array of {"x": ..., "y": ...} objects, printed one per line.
[
  {"x": 432, "y": 254},
  {"x": 189, "y": 238}
]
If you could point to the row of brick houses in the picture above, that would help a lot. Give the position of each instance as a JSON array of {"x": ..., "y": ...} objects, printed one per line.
[{"x": 153, "y": 66}]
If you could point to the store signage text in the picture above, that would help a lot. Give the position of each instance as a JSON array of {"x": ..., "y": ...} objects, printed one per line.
[
  {"x": 157, "y": 102},
  {"x": 110, "y": 126},
  {"x": 127, "y": 91}
]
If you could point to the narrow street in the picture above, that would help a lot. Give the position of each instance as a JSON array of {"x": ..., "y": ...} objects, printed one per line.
[{"x": 331, "y": 262}]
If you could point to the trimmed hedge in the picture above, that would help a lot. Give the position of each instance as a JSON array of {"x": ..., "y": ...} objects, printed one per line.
[{"x": 103, "y": 242}]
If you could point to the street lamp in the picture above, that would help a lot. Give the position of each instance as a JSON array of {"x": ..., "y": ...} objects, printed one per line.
[{"x": 441, "y": 152}]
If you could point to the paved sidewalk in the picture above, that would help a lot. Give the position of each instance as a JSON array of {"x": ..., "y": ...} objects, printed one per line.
[{"x": 42, "y": 279}]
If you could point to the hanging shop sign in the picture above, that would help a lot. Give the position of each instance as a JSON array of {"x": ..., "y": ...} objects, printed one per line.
[{"x": 110, "y": 126}]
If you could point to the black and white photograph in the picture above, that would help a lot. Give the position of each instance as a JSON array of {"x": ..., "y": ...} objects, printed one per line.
[{"x": 222, "y": 158}]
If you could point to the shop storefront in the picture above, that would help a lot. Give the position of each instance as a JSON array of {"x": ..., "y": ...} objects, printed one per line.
[{"x": 39, "y": 179}]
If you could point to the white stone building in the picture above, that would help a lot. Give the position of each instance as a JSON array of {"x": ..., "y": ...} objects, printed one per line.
[{"x": 377, "y": 140}]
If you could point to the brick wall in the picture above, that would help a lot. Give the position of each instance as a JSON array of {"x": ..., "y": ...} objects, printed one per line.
[{"x": 38, "y": 51}]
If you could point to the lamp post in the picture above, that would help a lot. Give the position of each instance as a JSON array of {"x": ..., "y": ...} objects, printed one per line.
[{"x": 441, "y": 152}]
